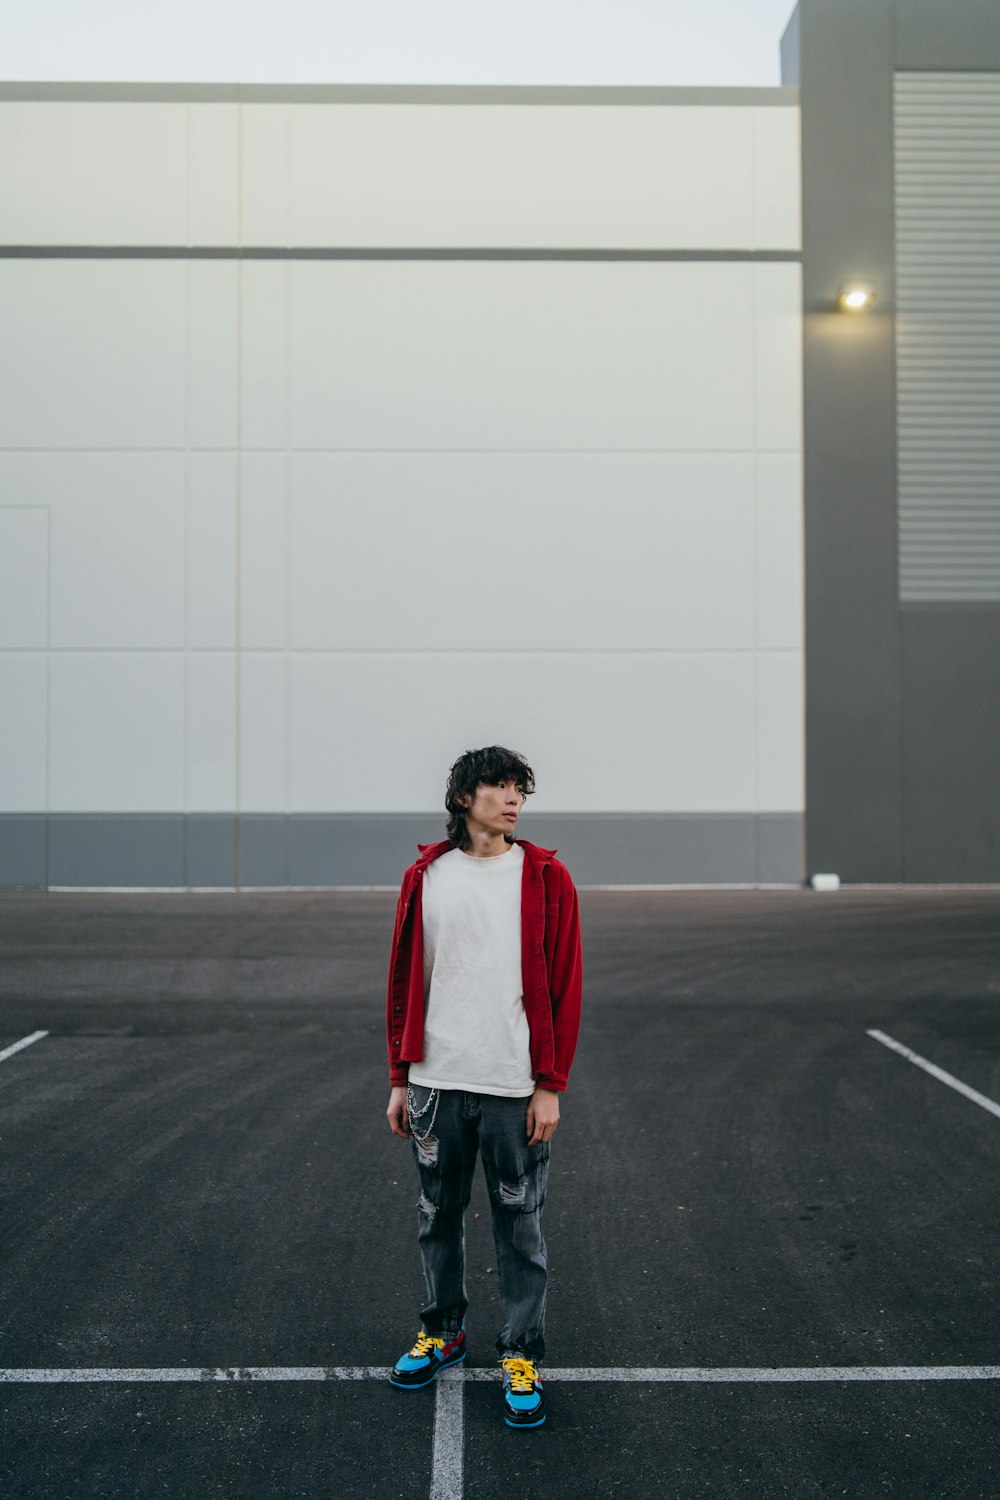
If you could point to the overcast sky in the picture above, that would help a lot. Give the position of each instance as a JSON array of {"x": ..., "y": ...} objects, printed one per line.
[{"x": 395, "y": 41}]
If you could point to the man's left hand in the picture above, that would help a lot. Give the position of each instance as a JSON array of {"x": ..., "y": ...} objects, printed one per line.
[{"x": 543, "y": 1115}]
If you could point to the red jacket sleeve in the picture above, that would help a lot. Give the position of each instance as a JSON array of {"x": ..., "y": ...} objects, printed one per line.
[
  {"x": 398, "y": 1071},
  {"x": 564, "y": 960}
]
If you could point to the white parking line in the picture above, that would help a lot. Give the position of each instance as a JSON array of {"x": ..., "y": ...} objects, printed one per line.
[
  {"x": 197, "y": 1373},
  {"x": 449, "y": 1436},
  {"x": 447, "y": 1468},
  {"x": 26, "y": 1041},
  {"x": 939, "y": 1073},
  {"x": 766, "y": 1373},
  {"x": 449, "y": 1378}
]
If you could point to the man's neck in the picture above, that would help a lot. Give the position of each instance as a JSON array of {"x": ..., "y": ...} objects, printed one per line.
[{"x": 486, "y": 845}]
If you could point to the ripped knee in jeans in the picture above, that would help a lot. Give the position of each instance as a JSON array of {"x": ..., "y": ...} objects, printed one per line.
[
  {"x": 426, "y": 1207},
  {"x": 511, "y": 1194}
]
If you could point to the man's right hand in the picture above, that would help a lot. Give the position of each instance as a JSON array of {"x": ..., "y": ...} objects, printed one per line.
[{"x": 398, "y": 1113}]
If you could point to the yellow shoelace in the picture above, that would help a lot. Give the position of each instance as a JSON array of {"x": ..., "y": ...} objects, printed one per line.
[
  {"x": 522, "y": 1373},
  {"x": 425, "y": 1343}
]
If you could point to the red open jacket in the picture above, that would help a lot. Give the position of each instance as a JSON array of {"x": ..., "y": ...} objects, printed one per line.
[{"x": 551, "y": 966}]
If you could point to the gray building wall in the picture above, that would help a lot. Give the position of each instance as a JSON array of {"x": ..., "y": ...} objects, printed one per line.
[{"x": 902, "y": 698}]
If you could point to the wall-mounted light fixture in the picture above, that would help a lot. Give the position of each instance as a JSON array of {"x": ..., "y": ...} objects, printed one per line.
[{"x": 855, "y": 296}]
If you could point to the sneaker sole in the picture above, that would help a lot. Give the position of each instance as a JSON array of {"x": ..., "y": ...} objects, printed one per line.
[
  {"x": 525, "y": 1424},
  {"x": 410, "y": 1386}
]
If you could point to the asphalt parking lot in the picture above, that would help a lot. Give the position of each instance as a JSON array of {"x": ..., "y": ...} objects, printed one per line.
[{"x": 773, "y": 1240}]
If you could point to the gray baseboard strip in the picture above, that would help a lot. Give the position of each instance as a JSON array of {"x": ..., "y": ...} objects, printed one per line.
[{"x": 199, "y": 850}]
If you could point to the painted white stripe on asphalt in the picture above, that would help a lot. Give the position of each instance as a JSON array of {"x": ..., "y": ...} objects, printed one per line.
[
  {"x": 939, "y": 1073},
  {"x": 449, "y": 1437},
  {"x": 26, "y": 1041},
  {"x": 766, "y": 1373},
  {"x": 196, "y": 1373},
  {"x": 667, "y": 1373}
]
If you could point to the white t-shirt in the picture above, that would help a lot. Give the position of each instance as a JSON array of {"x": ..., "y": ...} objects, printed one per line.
[{"x": 475, "y": 1029}]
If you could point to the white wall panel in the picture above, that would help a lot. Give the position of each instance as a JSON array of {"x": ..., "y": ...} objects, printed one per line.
[
  {"x": 117, "y": 548},
  {"x": 24, "y": 575},
  {"x": 521, "y": 355},
  {"x": 780, "y": 568},
  {"x": 211, "y": 550},
  {"x": 213, "y": 139},
  {"x": 210, "y": 741},
  {"x": 116, "y": 731},
  {"x": 263, "y": 543},
  {"x": 647, "y": 176},
  {"x": 23, "y": 740},
  {"x": 518, "y": 175},
  {"x": 777, "y": 379},
  {"x": 266, "y": 175},
  {"x": 780, "y": 745},
  {"x": 212, "y": 347},
  {"x": 94, "y": 354},
  {"x": 93, "y": 173},
  {"x": 265, "y": 374},
  {"x": 569, "y": 550},
  {"x": 777, "y": 195},
  {"x": 20, "y": 482},
  {"x": 263, "y": 732},
  {"x": 630, "y": 731}
]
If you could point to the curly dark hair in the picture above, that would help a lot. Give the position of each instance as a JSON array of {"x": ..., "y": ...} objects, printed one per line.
[{"x": 492, "y": 764}]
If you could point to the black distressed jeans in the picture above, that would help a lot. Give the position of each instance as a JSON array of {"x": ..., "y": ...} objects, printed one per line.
[{"x": 450, "y": 1128}]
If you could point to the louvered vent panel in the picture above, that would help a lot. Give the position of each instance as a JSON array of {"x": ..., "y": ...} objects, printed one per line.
[{"x": 947, "y": 172}]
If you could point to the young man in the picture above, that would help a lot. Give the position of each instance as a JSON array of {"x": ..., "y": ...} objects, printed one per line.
[{"x": 482, "y": 1016}]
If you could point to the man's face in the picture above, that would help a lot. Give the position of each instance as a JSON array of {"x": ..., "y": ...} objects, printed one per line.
[{"x": 495, "y": 806}]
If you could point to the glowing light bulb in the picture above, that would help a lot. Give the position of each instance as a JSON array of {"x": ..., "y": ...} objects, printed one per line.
[{"x": 855, "y": 297}]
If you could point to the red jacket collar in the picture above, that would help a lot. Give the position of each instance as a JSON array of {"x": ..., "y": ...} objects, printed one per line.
[{"x": 534, "y": 852}]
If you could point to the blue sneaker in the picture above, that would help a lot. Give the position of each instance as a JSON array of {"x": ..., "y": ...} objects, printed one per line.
[
  {"x": 429, "y": 1356},
  {"x": 522, "y": 1392}
]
